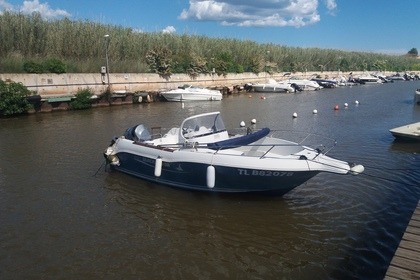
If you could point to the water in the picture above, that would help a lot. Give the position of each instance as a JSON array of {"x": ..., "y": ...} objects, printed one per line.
[{"x": 58, "y": 220}]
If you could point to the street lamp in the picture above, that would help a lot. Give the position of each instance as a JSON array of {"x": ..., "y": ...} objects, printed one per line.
[{"x": 107, "y": 61}]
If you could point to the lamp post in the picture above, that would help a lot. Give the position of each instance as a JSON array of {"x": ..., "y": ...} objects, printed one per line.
[{"x": 107, "y": 60}]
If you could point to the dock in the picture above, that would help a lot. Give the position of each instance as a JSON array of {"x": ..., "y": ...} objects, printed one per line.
[{"x": 406, "y": 262}]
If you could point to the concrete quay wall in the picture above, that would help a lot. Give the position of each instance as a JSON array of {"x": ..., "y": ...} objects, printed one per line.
[{"x": 69, "y": 83}]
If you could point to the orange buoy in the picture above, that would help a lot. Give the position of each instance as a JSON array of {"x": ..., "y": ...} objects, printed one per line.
[{"x": 336, "y": 107}]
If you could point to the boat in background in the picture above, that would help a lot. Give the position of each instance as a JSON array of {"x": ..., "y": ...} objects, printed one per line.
[
  {"x": 417, "y": 96},
  {"x": 303, "y": 84},
  {"x": 192, "y": 93},
  {"x": 201, "y": 155},
  {"x": 409, "y": 132},
  {"x": 273, "y": 86},
  {"x": 326, "y": 83},
  {"x": 367, "y": 78}
]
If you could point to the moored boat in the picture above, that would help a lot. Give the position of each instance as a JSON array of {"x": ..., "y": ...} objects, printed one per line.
[
  {"x": 201, "y": 155},
  {"x": 192, "y": 93},
  {"x": 417, "y": 96},
  {"x": 303, "y": 84},
  {"x": 409, "y": 132},
  {"x": 273, "y": 86},
  {"x": 367, "y": 78},
  {"x": 326, "y": 83}
]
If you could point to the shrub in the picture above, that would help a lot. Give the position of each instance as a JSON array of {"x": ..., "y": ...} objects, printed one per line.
[
  {"x": 33, "y": 67},
  {"x": 55, "y": 66},
  {"x": 83, "y": 100},
  {"x": 13, "y": 98}
]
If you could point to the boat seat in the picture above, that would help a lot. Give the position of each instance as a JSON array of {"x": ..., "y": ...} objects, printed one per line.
[{"x": 239, "y": 141}]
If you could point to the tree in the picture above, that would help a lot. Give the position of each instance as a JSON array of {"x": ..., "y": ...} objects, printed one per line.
[
  {"x": 413, "y": 52},
  {"x": 13, "y": 98}
]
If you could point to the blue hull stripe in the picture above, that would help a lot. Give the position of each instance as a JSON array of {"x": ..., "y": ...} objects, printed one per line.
[{"x": 192, "y": 176}]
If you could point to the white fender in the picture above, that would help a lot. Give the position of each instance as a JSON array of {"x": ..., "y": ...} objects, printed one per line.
[
  {"x": 211, "y": 176},
  {"x": 158, "y": 167},
  {"x": 357, "y": 169}
]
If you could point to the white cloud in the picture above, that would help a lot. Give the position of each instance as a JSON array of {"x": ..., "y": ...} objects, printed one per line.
[
  {"x": 257, "y": 13},
  {"x": 4, "y": 6},
  {"x": 29, "y": 7},
  {"x": 169, "y": 29}
]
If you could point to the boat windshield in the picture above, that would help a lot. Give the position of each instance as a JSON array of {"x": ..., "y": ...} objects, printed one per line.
[{"x": 202, "y": 125}]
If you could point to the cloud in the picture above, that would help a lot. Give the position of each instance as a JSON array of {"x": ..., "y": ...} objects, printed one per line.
[
  {"x": 4, "y": 6},
  {"x": 169, "y": 29},
  {"x": 29, "y": 7},
  {"x": 261, "y": 13}
]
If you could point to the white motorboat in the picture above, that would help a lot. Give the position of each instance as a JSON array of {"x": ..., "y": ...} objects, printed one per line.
[
  {"x": 409, "y": 132},
  {"x": 367, "y": 78},
  {"x": 192, "y": 93},
  {"x": 273, "y": 86},
  {"x": 201, "y": 155},
  {"x": 303, "y": 84},
  {"x": 417, "y": 96}
]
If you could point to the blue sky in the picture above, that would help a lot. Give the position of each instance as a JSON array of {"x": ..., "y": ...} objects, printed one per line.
[{"x": 384, "y": 26}]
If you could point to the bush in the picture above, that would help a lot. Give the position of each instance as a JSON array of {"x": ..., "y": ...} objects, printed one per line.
[
  {"x": 55, "y": 66},
  {"x": 83, "y": 100},
  {"x": 33, "y": 67},
  {"x": 13, "y": 98},
  {"x": 49, "y": 66}
]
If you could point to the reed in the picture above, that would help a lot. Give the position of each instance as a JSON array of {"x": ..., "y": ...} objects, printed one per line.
[{"x": 81, "y": 46}]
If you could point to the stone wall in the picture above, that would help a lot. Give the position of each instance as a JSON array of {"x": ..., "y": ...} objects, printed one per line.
[{"x": 70, "y": 83}]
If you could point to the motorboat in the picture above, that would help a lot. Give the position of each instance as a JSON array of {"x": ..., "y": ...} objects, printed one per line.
[
  {"x": 417, "y": 96},
  {"x": 326, "y": 83},
  {"x": 303, "y": 84},
  {"x": 409, "y": 132},
  {"x": 367, "y": 78},
  {"x": 396, "y": 77},
  {"x": 201, "y": 155},
  {"x": 273, "y": 86},
  {"x": 192, "y": 93}
]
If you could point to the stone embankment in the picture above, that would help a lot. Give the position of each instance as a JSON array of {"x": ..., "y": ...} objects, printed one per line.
[{"x": 54, "y": 91}]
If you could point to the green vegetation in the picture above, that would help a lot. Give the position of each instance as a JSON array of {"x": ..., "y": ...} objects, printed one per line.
[
  {"x": 49, "y": 66},
  {"x": 83, "y": 100},
  {"x": 13, "y": 98},
  {"x": 29, "y": 42}
]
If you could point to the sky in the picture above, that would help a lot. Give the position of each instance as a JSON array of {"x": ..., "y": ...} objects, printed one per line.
[{"x": 379, "y": 26}]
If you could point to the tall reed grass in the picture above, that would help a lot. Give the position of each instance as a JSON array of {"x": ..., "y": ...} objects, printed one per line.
[{"x": 81, "y": 46}]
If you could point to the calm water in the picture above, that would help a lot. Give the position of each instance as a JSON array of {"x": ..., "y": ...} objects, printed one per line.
[{"x": 58, "y": 220}]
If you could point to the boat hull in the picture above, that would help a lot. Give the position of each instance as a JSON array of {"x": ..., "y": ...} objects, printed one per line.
[
  {"x": 410, "y": 132},
  {"x": 178, "y": 97},
  {"x": 417, "y": 97},
  {"x": 267, "y": 88},
  {"x": 227, "y": 179}
]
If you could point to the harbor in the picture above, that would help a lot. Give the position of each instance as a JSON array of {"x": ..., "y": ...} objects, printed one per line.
[{"x": 64, "y": 215}]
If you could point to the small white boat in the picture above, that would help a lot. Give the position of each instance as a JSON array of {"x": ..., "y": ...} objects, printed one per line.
[
  {"x": 192, "y": 93},
  {"x": 409, "y": 132},
  {"x": 417, "y": 96},
  {"x": 200, "y": 155},
  {"x": 303, "y": 84},
  {"x": 367, "y": 78},
  {"x": 273, "y": 86}
]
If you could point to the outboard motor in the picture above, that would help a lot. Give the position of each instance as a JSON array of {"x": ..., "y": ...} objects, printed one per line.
[
  {"x": 296, "y": 87},
  {"x": 137, "y": 133},
  {"x": 141, "y": 133}
]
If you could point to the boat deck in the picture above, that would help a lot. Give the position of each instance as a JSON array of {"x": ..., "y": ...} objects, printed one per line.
[{"x": 406, "y": 262}]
